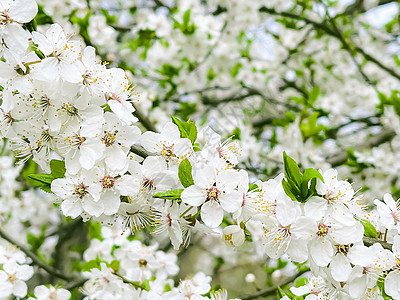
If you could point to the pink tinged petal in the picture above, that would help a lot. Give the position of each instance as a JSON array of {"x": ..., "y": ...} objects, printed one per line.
[
  {"x": 340, "y": 268},
  {"x": 19, "y": 288},
  {"x": 231, "y": 201},
  {"x": 321, "y": 251},
  {"x": 71, "y": 208},
  {"x": 92, "y": 208},
  {"x": 23, "y": 11},
  {"x": 297, "y": 250},
  {"x": 315, "y": 208},
  {"x": 151, "y": 141},
  {"x": 212, "y": 214},
  {"x": 194, "y": 196},
  {"x": 171, "y": 131},
  {"x": 228, "y": 180},
  {"x": 24, "y": 272}
]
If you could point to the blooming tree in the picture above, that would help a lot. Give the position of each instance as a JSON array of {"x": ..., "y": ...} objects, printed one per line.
[{"x": 110, "y": 191}]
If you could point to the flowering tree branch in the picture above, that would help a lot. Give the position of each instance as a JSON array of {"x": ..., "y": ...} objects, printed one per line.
[{"x": 35, "y": 259}]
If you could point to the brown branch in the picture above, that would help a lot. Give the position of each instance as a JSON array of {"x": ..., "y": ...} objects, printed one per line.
[
  {"x": 383, "y": 137},
  {"x": 272, "y": 290},
  {"x": 35, "y": 259},
  {"x": 143, "y": 119}
]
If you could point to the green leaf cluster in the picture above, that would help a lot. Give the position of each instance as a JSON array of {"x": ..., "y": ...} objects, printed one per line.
[
  {"x": 185, "y": 26},
  {"x": 299, "y": 187},
  {"x": 43, "y": 180},
  {"x": 187, "y": 129}
]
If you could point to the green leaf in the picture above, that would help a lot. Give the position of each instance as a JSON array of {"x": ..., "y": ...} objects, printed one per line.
[
  {"x": 288, "y": 190},
  {"x": 185, "y": 173},
  {"x": 291, "y": 169},
  {"x": 42, "y": 178},
  {"x": 310, "y": 173},
  {"x": 57, "y": 168},
  {"x": 35, "y": 241},
  {"x": 313, "y": 95},
  {"x": 114, "y": 265},
  {"x": 186, "y": 18},
  {"x": 169, "y": 195},
  {"x": 369, "y": 229},
  {"x": 94, "y": 230},
  {"x": 187, "y": 129}
]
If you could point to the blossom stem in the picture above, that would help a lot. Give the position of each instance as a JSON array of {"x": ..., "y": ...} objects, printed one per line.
[{"x": 184, "y": 213}]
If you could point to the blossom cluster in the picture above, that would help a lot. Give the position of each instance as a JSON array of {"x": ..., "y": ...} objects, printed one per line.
[{"x": 60, "y": 104}]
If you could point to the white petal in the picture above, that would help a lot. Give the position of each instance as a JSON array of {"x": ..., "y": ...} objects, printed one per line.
[
  {"x": 194, "y": 195},
  {"x": 212, "y": 214}
]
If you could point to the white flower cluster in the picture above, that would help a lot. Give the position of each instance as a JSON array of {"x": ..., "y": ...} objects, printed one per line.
[
  {"x": 14, "y": 271},
  {"x": 58, "y": 102},
  {"x": 139, "y": 264}
]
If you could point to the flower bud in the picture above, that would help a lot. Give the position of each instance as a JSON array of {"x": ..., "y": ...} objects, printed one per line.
[{"x": 233, "y": 235}]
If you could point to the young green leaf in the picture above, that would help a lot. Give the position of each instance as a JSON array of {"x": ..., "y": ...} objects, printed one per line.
[
  {"x": 291, "y": 169},
  {"x": 187, "y": 129},
  {"x": 369, "y": 229},
  {"x": 57, "y": 168},
  {"x": 169, "y": 195},
  {"x": 185, "y": 173},
  {"x": 42, "y": 178}
]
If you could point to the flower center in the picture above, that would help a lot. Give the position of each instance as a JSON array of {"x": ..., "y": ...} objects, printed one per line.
[
  {"x": 213, "y": 193},
  {"x": 322, "y": 229},
  {"x": 81, "y": 190},
  {"x": 107, "y": 181},
  {"x": 70, "y": 109},
  {"x": 142, "y": 262},
  {"x": 76, "y": 140},
  {"x": 167, "y": 152},
  {"x": 342, "y": 249},
  {"x": 109, "y": 138}
]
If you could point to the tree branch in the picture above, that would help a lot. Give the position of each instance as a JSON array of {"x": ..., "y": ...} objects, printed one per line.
[
  {"x": 139, "y": 150},
  {"x": 143, "y": 119},
  {"x": 35, "y": 259},
  {"x": 272, "y": 290},
  {"x": 383, "y": 137}
]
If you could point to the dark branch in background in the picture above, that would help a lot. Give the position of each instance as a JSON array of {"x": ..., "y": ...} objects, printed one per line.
[
  {"x": 139, "y": 150},
  {"x": 272, "y": 290},
  {"x": 358, "y": 7},
  {"x": 383, "y": 137},
  {"x": 143, "y": 119},
  {"x": 35, "y": 259},
  {"x": 370, "y": 241},
  {"x": 324, "y": 26}
]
